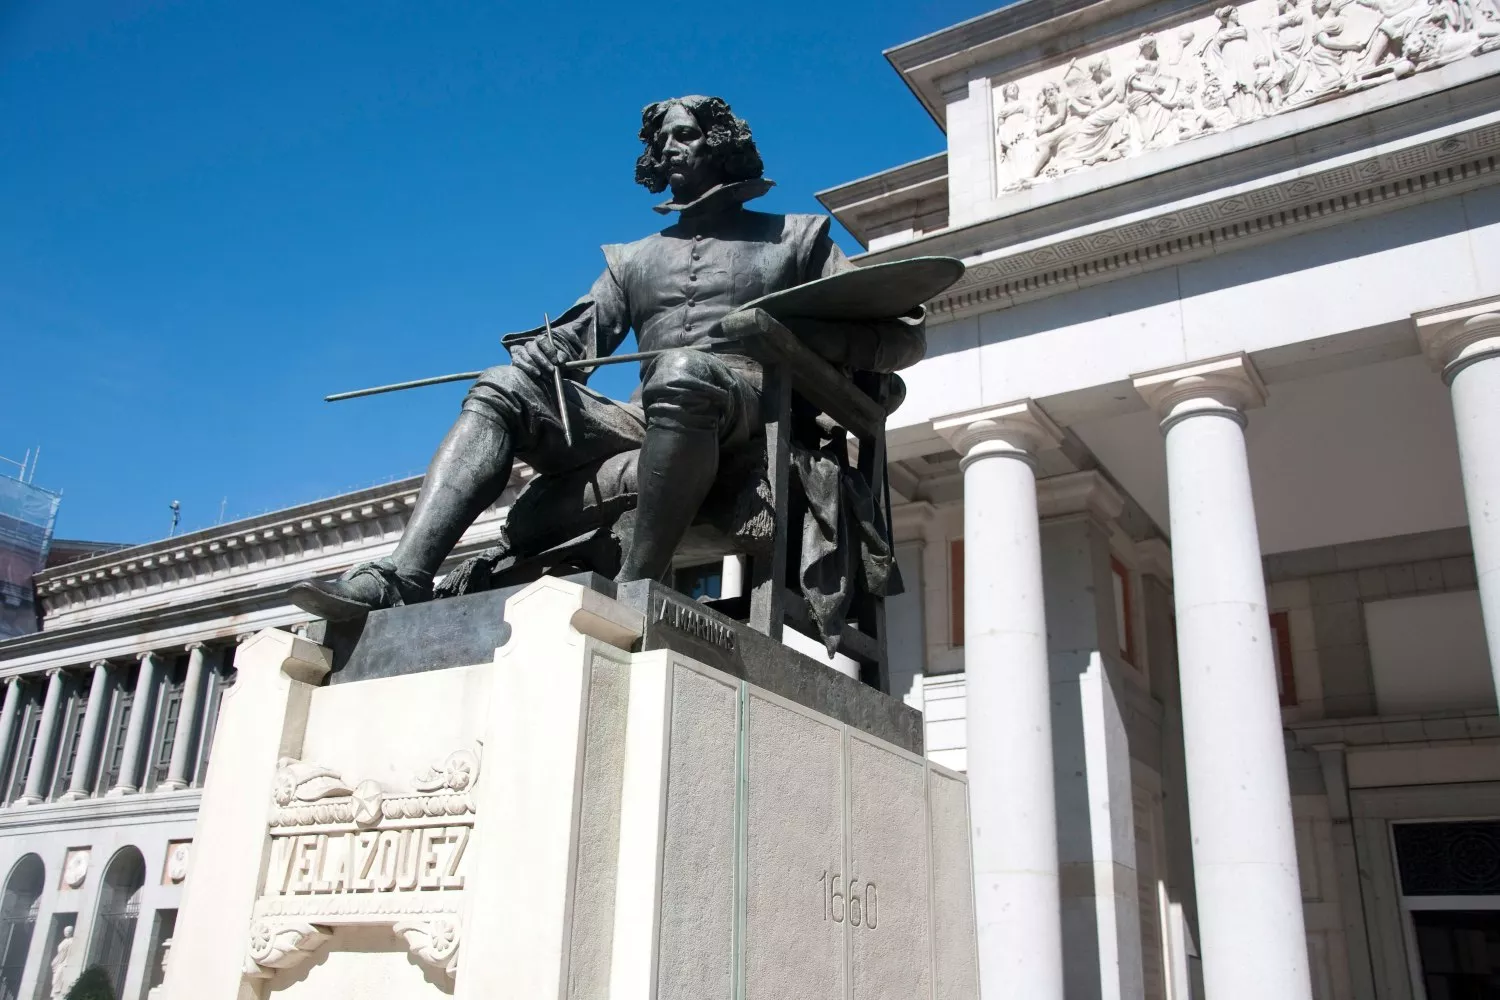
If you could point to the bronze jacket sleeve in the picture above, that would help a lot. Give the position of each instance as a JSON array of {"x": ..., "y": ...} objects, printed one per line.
[{"x": 592, "y": 327}]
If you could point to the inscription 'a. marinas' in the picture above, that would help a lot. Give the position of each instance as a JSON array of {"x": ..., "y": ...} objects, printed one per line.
[{"x": 695, "y": 623}]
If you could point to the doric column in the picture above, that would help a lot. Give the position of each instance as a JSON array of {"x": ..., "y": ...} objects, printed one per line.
[
  {"x": 187, "y": 719},
  {"x": 1011, "y": 787},
  {"x": 88, "y": 740},
  {"x": 1244, "y": 854},
  {"x": 8, "y": 716},
  {"x": 127, "y": 782},
  {"x": 1464, "y": 344},
  {"x": 46, "y": 741}
]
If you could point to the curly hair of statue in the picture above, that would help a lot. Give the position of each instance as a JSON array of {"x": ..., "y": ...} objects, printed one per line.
[{"x": 729, "y": 141}]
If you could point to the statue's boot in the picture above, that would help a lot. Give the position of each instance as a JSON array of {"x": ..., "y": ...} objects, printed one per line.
[
  {"x": 467, "y": 475},
  {"x": 675, "y": 471}
]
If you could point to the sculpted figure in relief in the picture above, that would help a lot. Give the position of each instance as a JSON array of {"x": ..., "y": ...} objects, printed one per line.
[
  {"x": 1153, "y": 96},
  {"x": 1330, "y": 48},
  {"x": 1291, "y": 39},
  {"x": 1100, "y": 107},
  {"x": 1240, "y": 64},
  {"x": 1053, "y": 131},
  {"x": 1012, "y": 124},
  {"x": 1236, "y": 63},
  {"x": 1397, "y": 17}
]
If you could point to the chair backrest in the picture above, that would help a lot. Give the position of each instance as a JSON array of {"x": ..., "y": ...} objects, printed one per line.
[{"x": 799, "y": 388}]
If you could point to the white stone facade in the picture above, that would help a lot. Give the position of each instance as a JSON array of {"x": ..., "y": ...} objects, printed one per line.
[{"x": 1205, "y": 445}]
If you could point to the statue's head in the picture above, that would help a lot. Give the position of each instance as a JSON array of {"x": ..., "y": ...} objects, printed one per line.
[{"x": 692, "y": 144}]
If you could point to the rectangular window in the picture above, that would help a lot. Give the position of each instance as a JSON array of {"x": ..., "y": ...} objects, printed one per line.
[
  {"x": 31, "y": 729},
  {"x": 28, "y": 720},
  {"x": 1281, "y": 647},
  {"x": 220, "y": 680},
  {"x": 1124, "y": 610},
  {"x": 72, "y": 736},
  {"x": 112, "y": 755},
  {"x": 956, "y": 591},
  {"x": 164, "y": 733}
]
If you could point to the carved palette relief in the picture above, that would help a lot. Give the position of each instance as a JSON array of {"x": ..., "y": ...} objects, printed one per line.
[{"x": 1231, "y": 66}]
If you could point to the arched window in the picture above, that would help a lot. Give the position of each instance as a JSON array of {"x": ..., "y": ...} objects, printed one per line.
[
  {"x": 18, "y": 908},
  {"x": 119, "y": 908}
]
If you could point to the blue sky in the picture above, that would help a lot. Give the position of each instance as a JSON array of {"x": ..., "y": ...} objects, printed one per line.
[{"x": 217, "y": 212}]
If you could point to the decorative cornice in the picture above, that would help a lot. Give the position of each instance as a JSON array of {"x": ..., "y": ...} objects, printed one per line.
[
  {"x": 1014, "y": 430},
  {"x": 1314, "y": 197},
  {"x": 97, "y": 813},
  {"x": 913, "y": 195},
  {"x": 323, "y": 538},
  {"x": 1224, "y": 386},
  {"x": 1456, "y": 337}
]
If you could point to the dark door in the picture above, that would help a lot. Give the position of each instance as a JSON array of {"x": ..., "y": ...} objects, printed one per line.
[{"x": 1460, "y": 953}]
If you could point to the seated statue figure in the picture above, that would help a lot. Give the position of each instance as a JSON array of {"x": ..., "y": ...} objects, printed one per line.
[{"x": 672, "y": 289}]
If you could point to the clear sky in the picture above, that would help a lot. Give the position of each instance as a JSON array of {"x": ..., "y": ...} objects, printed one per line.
[{"x": 214, "y": 213}]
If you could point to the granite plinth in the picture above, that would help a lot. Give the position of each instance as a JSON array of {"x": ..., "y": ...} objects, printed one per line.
[
  {"x": 459, "y": 631},
  {"x": 678, "y": 623},
  {"x": 570, "y": 817}
]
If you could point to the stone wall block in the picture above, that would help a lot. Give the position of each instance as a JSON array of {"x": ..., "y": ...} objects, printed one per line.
[{"x": 263, "y": 718}]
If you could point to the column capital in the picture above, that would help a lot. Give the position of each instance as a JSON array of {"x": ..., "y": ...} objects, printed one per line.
[
  {"x": 1086, "y": 492},
  {"x": 194, "y": 645},
  {"x": 100, "y": 662},
  {"x": 918, "y": 521},
  {"x": 1225, "y": 386},
  {"x": 1457, "y": 336},
  {"x": 52, "y": 672},
  {"x": 1153, "y": 557},
  {"x": 1012, "y": 430}
]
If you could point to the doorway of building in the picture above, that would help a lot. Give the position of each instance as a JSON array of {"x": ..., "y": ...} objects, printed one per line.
[{"x": 1460, "y": 953}]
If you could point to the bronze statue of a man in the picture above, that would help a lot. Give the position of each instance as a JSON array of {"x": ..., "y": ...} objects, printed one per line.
[{"x": 672, "y": 288}]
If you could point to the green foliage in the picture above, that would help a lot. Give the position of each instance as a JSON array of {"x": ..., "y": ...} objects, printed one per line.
[{"x": 92, "y": 985}]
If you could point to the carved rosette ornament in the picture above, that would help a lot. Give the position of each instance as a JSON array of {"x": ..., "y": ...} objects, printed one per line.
[
  {"x": 280, "y": 945},
  {"x": 433, "y": 941}
]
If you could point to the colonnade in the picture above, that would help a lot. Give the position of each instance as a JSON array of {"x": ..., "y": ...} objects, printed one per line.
[
  {"x": 48, "y": 753},
  {"x": 1249, "y": 898}
]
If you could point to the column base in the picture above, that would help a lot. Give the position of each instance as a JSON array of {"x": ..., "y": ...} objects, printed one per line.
[
  {"x": 72, "y": 796},
  {"x": 120, "y": 791},
  {"x": 172, "y": 785},
  {"x": 28, "y": 800}
]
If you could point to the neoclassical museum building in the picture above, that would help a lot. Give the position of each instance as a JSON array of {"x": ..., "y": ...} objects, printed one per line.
[{"x": 1197, "y": 497}]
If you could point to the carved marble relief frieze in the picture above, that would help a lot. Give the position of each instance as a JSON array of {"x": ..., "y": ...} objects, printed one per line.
[{"x": 1235, "y": 65}]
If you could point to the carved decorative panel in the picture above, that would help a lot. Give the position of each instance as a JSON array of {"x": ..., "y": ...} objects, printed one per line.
[
  {"x": 1234, "y": 65},
  {"x": 1449, "y": 859},
  {"x": 362, "y": 855}
]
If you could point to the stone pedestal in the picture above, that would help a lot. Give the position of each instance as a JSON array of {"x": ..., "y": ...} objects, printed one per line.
[{"x": 575, "y": 819}]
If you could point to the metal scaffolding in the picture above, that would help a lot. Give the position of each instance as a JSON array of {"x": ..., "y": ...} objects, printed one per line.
[{"x": 27, "y": 516}]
